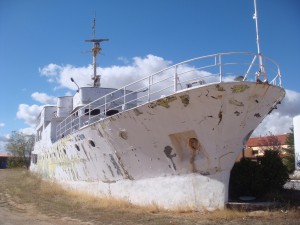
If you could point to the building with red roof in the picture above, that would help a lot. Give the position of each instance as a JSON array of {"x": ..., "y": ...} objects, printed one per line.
[
  {"x": 3, "y": 159},
  {"x": 256, "y": 146}
]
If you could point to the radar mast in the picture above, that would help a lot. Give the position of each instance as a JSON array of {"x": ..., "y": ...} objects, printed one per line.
[
  {"x": 95, "y": 51},
  {"x": 261, "y": 71}
]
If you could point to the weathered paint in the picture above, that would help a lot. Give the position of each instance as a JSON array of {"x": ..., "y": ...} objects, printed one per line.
[
  {"x": 185, "y": 99},
  {"x": 236, "y": 102},
  {"x": 219, "y": 87},
  {"x": 164, "y": 152},
  {"x": 239, "y": 88},
  {"x": 168, "y": 151}
]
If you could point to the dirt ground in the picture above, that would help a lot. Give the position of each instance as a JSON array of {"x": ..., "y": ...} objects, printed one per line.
[{"x": 27, "y": 200}]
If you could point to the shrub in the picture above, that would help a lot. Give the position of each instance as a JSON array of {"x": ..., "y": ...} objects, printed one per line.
[
  {"x": 257, "y": 178},
  {"x": 274, "y": 171},
  {"x": 15, "y": 162}
]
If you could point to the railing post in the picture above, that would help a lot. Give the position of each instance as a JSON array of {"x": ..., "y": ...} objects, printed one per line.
[
  {"x": 79, "y": 118},
  {"x": 89, "y": 113},
  {"x": 175, "y": 80},
  {"x": 56, "y": 134},
  {"x": 279, "y": 75},
  {"x": 149, "y": 83},
  {"x": 250, "y": 67},
  {"x": 220, "y": 67},
  {"x": 71, "y": 124},
  {"x": 124, "y": 98},
  {"x": 104, "y": 106}
]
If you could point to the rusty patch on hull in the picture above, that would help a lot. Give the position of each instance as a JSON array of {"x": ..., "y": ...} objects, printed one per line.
[
  {"x": 257, "y": 115},
  {"x": 219, "y": 87},
  {"x": 236, "y": 102},
  {"x": 237, "y": 113},
  {"x": 194, "y": 145},
  {"x": 163, "y": 102},
  {"x": 168, "y": 151},
  {"x": 239, "y": 88},
  {"x": 137, "y": 112},
  {"x": 220, "y": 115},
  {"x": 123, "y": 134},
  {"x": 185, "y": 99},
  {"x": 115, "y": 164}
]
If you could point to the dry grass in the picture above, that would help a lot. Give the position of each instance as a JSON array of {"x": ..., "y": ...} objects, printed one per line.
[{"x": 51, "y": 199}]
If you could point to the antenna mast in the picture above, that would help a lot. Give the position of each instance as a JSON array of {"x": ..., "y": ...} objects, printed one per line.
[
  {"x": 95, "y": 51},
  {"x": 261, "y": 67}
]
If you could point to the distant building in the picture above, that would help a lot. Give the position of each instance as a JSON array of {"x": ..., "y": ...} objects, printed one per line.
[
  {"x": 256, "y": 146},
  {"x": 3, "y": 159}
]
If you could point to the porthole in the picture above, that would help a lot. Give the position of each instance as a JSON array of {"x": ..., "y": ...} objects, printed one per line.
[
  {"x": 123, "y": 134},
  {"x": 77, "y": 147},
  {"x": 194, "y": 144},
  {"x": 92, "y": 143}
]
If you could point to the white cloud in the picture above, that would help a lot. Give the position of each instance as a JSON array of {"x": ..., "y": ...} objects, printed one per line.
[
  {"x": 123, "y": 59},
  {"x": 2, "y": 124},
  {"x": 4, "y": 138},
  {"x": 281, "y": 120},
  {"x": 44, "y": 98},
  {"x": 29, "y": 113},
  {"x": 290, "y": 104},
  {"x": 28, "y": 130},
  {"x": 3, "y": 142},
  {"x": 114, "y": 76},
  {"x": 50, "y": 70}
]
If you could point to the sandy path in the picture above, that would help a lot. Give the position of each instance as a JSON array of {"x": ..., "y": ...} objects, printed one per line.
[
  {"x": 12, "y": 213},
  {"x": 13, "y": 216}
]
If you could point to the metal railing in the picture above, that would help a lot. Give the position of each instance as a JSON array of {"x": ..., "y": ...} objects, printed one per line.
[{"x": 216, "y": 68}]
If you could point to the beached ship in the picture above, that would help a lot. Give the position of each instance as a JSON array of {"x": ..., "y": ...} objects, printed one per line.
[{"x": 168, "y": 139}]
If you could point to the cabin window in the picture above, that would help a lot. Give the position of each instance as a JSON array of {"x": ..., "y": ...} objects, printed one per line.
[
  {"x": 92, "y": 143},
  {"x": 93, "y": 112},
  {"x": 77, "y": 147},
  {"x": 111, "y": 112}
]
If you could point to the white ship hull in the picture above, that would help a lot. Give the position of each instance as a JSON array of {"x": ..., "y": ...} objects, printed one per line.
[{"x": 176, "y": 152}]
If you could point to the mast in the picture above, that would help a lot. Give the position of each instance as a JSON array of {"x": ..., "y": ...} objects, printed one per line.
[
  {"x": 262, "y": 70},
  {"x": 95, "y": 51}
]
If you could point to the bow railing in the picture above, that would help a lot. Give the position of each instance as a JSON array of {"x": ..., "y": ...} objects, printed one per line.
[{"x": 200, "y": 71}]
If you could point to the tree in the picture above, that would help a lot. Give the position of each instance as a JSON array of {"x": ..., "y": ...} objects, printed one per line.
[
  {"x": 289, "y": 159},
  {"x": 258, "y": 178},
  {"x": 274, "y": 171},
  {"x": 20, "y": 146}
]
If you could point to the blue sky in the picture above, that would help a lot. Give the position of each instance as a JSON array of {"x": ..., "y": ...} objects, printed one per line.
[{"x": 37, "y": 33}]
